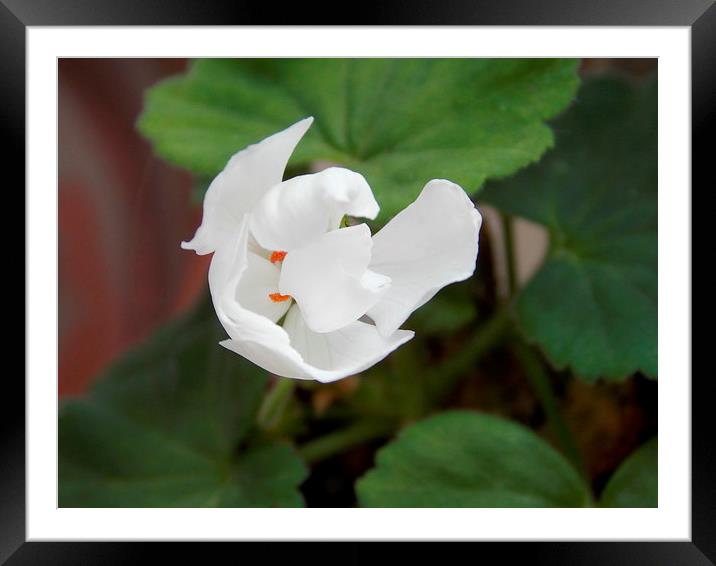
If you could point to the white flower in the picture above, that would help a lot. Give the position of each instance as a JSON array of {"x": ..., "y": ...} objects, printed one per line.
[{"x": 279, "y": 253}]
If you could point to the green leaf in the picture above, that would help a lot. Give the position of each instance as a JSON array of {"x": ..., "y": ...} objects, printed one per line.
[
  {"x": 399, "y": 122},
  {"x": 635, "y": 483},
  {"x": 463, "y": 459},
  {"x": 170, "y": 425},
  {"x": 593, "y": 304}
]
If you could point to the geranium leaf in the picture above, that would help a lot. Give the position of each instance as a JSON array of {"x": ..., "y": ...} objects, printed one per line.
[
  {"x": 593, "y": 304},
  {"x": 465, "y": 459},
  {"x": 635, "y": 483},
  {"x": 170, "y": 426},
  {"x": 399, "y": 122}
]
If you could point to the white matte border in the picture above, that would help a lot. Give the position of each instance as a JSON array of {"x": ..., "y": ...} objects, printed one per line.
[{"x": 671, "y": 521}]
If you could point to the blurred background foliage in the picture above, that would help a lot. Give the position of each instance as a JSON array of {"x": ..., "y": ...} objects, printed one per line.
[{"x": 523, "y": 387}]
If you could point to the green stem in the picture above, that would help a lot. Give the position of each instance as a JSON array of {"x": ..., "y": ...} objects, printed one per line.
[
  {"x": 542, "y": 386},
  {"x": 453, "y": 369},
  {"x": 342, "y": 440},
  {"x": 275, "y": 403},
  {"x": 508, "y": 232}
]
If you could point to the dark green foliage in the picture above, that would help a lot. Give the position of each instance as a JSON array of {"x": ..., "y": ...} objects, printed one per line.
[
  {"x": 170, "y": 426},
  {"x": 399, "y": 122},
  {"x": 593, "y": 304},
  {"x": 463, "y": 459}
]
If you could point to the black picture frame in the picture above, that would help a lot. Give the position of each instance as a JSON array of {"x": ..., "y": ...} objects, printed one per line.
[{"x": 16, "y": 15}]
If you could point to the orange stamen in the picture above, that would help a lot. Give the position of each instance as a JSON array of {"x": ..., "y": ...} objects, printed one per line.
[
  {"x": 277, "y": 256},
  {"x": 278, "y": 297}
]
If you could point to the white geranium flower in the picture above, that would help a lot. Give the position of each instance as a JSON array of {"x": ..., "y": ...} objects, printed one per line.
[{"x": 280, "y": 254}]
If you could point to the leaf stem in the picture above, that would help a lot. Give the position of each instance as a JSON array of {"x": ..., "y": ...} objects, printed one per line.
[
  {"x": 274, "y": 404},
  {"x": 508, "y": 233},
  {"x": 337, "y": 442},
  {"x": 539, "y": 380},
  {"x": 450, "y": 371}
]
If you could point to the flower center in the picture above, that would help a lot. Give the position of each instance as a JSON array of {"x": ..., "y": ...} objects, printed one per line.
[{"x": 277, "y": 256}]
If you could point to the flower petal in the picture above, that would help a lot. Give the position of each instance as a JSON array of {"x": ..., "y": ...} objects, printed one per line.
[
  {"x": 242, "y": 183},
  {"x": 328, "y": 357},
  {"x": 344, "y": 352},
  {"x": 252, "y": 335},
  {"x": 296, "y": 211},
  {"x": 329, "y": 278},
  {"x": 430, "y": 244},
  {"x": 258, "y": 282},
  {"x": 325, "y": 357}
]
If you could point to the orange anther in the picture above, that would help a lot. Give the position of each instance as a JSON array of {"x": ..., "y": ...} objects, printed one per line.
[
  {"x": 278, "y": 297},
  {"x": 277, "y": 256}
]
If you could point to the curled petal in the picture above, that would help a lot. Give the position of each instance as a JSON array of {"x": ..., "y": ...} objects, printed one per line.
[
  {"x": 430, "y": 244},
  {"x": 242, "y": 183},
  {"x": 325, "y": 357},
  {"x": 257, "y": 287},
  {"x": 296, "y": 211},
  {"x": 343, "y": 352},
  {"x": 295, "y": 352},
  {"x": 330, "y": 280}
]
